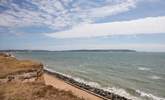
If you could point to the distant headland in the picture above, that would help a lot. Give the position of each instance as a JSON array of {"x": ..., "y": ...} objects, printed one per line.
[{"x": 79, "y": 50}]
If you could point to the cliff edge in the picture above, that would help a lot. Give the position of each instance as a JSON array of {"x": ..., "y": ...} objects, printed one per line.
[
  {"x": 24, "y": 80},
  {"x": 13, "y": 69}
]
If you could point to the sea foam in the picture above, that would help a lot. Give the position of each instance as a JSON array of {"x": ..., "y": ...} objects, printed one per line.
[
  {"x": 115, "y": 90},
  {"x": 149, "y": 96},
  {"x": 121, "y": 92},
  {"x": 144, "y": 68},
  {"x": 155, "y": 77}
]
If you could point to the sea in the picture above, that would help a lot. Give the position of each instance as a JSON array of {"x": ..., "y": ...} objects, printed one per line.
[{"x": 134, "y": 75}]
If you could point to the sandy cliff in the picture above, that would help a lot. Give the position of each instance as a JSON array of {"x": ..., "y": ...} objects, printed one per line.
[
  {"x": 24, "y": 80},
  {"x": 13, "y": 69}
]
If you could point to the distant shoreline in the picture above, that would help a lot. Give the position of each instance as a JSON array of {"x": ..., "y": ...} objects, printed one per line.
[{"x": 80, "y": 50}]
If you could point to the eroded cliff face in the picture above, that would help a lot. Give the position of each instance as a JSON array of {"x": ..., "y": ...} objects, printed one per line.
[
  {"x": 14, "y": 70},
  {"x": 24, "y": 80}
]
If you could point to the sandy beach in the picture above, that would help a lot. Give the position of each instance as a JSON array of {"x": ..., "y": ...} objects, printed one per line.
[{"x": 52, "y": 80}]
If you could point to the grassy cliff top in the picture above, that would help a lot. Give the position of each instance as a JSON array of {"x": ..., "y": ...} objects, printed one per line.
[
  {"x": 33, "y": 91},
  {"x": 27, "y": 90},
  {"x": 11, "y": 65}
]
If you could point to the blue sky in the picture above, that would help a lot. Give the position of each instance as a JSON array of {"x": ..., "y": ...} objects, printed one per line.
[{"x": 82, "y": 24}]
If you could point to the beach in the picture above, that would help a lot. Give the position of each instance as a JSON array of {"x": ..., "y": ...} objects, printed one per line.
[
  {"x": 81, "y": 90},
  {"x": 107, "y": 72},
  {"x": 26, "y": 75},
  {"x": 60, "y": 84},
  {"x": 102, "y": 74}
]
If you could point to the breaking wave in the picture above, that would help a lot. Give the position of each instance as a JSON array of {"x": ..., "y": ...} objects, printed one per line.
[
  {"x": 140, "y": 95},
  {"x": 149, "y": 96},
  {"x": 144, "y": 69},
  {"x": 155, "y": 77}
]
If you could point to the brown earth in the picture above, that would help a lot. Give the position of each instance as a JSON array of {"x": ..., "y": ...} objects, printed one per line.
[{"x": 19, "y": 81}]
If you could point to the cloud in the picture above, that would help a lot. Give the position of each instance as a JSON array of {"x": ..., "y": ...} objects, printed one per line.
[
  {"x": 112, "y": 9},
  {"x": 58, "y": 14},
  {"x": 148, "y": 25}
]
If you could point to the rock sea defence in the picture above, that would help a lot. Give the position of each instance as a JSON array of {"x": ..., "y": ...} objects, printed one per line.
[
  {"x": 24, "y": 80},
  {"x": 105, "y": 95}
]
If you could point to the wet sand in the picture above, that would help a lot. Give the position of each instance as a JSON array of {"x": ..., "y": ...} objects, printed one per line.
[{"x": 60, "y": 84}]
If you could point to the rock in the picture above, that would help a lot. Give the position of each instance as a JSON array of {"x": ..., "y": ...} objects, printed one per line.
[{"x": 100, "y": 92}]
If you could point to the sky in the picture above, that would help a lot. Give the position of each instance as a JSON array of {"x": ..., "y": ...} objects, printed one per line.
[{"x": 82, "y": 24}]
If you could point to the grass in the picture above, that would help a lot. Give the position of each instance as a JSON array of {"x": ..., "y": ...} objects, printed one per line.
[
  {"x": 10, "y": 65},
  {"x": 27, "y": 90},
  {"x": 33, "y": 91}
]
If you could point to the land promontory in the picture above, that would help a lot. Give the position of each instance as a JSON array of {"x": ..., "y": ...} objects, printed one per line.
[{"x": 24, "y": 80}]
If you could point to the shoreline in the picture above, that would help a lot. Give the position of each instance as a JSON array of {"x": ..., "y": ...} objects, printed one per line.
[
  {"x": 72, "y": 85},
  {"x": 62, "y": 85}
]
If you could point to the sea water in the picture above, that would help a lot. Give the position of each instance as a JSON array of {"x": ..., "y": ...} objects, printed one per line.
[{"x": 135, "y": 75}]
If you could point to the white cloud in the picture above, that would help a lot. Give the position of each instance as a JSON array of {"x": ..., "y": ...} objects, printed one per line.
[
  {"x": 112, "y": 9},
  {"x": 148, "y": 25},
  {"x": 59, "y": 14}
]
